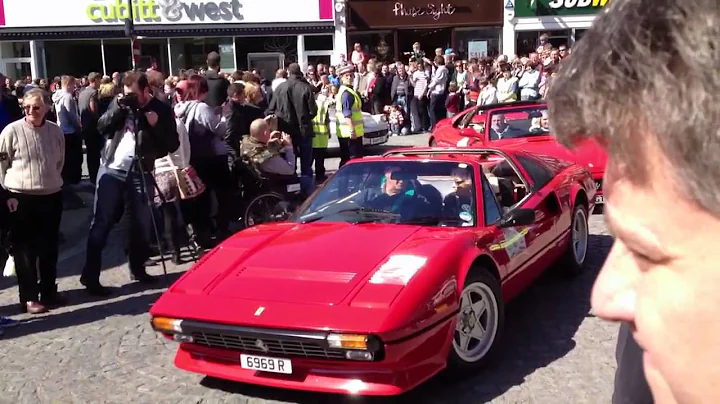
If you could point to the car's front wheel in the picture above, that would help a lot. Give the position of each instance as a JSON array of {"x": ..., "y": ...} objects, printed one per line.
[
  {"x": 573, "y": 262},
  {"x": 479, "y": 322}
]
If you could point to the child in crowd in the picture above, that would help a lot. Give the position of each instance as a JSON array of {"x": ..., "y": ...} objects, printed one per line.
[
  {"x": 452, "y": 104},
  {"x": 395, "y": 118}
]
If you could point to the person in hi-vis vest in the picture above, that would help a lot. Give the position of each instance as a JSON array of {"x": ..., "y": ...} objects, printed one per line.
[
  {"x": 348, "y": 113},
  {"x": 321, "y": 134}
]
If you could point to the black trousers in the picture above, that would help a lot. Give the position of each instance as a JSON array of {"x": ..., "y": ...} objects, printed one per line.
[
  {"x": 215, "y": 173},
  {"x": 436, "y": 109},
  {"x": 172, "y": 225},
  {"x": 72, "y": 169},
  {"x": 419, "y": 111},
  {"x": 93, "y": 145},
  {"x": 319, "y": 159},
  {"x": 350, "y": 149},
  {"x": 34, "y": 237}
]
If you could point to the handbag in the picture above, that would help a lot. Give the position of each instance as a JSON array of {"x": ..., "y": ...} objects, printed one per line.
[{"x": 177, "y": 182}]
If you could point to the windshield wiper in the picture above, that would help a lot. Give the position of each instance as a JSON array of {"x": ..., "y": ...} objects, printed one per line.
[
  {"x": 433, "y": 220},
  {"x": 386, "y": 214}
]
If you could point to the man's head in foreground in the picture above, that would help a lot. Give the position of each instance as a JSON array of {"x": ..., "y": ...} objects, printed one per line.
[{"x": 644, "y": 82}]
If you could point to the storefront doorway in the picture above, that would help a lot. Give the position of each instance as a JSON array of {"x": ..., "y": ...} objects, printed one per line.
[{"x": 429, "y": 39}]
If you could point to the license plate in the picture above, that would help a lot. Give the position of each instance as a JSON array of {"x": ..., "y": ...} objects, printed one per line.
[
  {"x": 293, "y": 187},
  {"x": 378, "y": 140},
  {"x": 266, "y": 364},
  {"x": 599, "y": 200}
]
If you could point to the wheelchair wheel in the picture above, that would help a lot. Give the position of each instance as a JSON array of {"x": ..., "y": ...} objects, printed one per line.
[{"x": 265, "y": 208}]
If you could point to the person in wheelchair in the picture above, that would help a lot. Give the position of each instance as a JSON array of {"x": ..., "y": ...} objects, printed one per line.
[
  {"x": 397, "y": 195},
  {"x": 270, "y": 153}
]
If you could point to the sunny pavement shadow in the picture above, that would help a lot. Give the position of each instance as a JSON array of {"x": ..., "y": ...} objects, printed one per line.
[{"x": 539, "y": 328}]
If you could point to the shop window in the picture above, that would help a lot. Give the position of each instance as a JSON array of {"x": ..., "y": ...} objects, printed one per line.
[
  {"x": 377, "y": 45},
  {"x": 527, "y": 42},
  {"x": 154, "y": 54},
  {"x": 15, "y": 49},
  {"x": 314, "y": 60},
  {"x": 191, "y": 53},
  {"x": 318, "y": 42},
  {"x": 118, "y": 55},
  {"x": 579, "y": 34},
  {"x": 472, "y": 43},
  {"x": 429, "y": 39},
  {"x": 80, "y": 57},
  {"x": 270, "y": 45},
  {"x": 16, "y": 71}
]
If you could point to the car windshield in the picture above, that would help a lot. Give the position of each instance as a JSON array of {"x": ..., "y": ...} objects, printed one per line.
[
  {"x": 519, "y": 123},
  {"x": 426, "y": 193}
]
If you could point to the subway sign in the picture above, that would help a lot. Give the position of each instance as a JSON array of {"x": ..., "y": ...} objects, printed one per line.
[{"x": 539, "y": 8}]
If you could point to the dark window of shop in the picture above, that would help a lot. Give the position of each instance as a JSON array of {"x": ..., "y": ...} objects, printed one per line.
[
  {"x": 80, "y": 57},
  {"x": 482, "y": 40},
  {"x": 377, "y": 45},
  {"x": 430, "y": 39},
  {"x": 527, "y": 42},
  {"x": 267, "y": 53},
  {"x": 579, "y": 34},
  {"x": 318, "y": 42}
]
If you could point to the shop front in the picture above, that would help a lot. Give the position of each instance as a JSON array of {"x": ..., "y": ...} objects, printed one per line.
[
  {"x": 564, "y": 21},
  {"x": 88, "y": 35},
  {"x": 386, "y": 30}
]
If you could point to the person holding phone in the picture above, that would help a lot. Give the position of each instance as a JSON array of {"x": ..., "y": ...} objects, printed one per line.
[{"x": 270, "y": 152}]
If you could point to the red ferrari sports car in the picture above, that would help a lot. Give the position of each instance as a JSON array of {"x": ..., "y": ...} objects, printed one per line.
[
  {"x": 398, "y": 267},
  {"x": 522, "y": 123}
]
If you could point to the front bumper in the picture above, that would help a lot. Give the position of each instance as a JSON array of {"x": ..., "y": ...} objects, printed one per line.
[{"x": 403, "y": 365}]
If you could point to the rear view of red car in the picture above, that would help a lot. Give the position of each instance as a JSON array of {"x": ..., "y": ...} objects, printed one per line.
[{"x": 523, "y": 125}]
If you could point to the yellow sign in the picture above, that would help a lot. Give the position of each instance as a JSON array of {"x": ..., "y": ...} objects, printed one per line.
[
  {"x": 577, "y": 3},
  {"x": 118, "y": 10}
]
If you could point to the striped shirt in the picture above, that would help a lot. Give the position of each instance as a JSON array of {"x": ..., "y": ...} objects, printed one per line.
[{"x": 420, "y": 83}]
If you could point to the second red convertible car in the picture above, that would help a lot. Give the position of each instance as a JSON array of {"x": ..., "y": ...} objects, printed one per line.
[
  {"x": 524, "y": 124},
  {"x": 400, "y": 266}
]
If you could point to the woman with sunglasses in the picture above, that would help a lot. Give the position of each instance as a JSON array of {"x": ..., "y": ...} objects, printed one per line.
[{"x": 31, "y": 160}]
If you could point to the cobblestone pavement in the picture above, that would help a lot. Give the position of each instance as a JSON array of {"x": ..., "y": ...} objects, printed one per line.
[{"x": 103, "y": 351}]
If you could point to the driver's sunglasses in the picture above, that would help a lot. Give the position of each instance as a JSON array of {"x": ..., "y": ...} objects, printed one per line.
[
  {"x": 33, "y": 108},
  {"x": 458, "y": 181}
]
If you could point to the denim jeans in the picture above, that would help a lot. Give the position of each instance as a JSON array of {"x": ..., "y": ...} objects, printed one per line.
[
  {"x": 119, "y": 192},
  {"x": 305, "y": 150}
]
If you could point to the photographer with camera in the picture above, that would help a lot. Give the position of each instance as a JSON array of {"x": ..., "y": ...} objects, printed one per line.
[
  {"x": 269, "y": 152},
  {"x": 139, "y": 128}
]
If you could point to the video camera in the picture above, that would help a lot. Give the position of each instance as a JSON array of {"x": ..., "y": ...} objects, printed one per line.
[{"x": 129, "y": 101}]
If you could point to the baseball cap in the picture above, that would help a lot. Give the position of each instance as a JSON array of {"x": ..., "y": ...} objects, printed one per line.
[{"x": 449, "y": 51}]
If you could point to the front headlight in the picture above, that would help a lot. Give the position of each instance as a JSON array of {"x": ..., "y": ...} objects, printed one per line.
[
  {"x": 166, "y": 325},
  {"x": 347, "y": 341},
  {"x": 398, "y": 270}
]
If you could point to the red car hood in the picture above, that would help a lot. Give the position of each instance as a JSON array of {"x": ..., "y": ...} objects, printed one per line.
[
  {"x": 319, "y": 263},
  {"x": 588, "y": 154}
]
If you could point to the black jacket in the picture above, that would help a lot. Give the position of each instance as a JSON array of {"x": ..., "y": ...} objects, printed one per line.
[
  {"x": 239, "y": 117},
  {"x": 217, "y": 89},
  {"x": 157, "y": 141},
  {"x": 293, "y": 102},
  {"x": 13, "y": 107}
]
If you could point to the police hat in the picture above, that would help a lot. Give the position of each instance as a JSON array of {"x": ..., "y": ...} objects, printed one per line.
[{"x": 345, "y": 69}]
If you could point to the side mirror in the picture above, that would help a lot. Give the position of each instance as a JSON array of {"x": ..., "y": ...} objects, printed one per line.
[{"x": 517, "y": 217}]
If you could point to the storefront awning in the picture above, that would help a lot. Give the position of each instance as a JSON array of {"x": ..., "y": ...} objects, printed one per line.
[{"x": 165, "y": 31}]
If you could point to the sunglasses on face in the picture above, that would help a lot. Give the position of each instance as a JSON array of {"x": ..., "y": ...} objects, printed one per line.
[{"x": 33, "y": 108}]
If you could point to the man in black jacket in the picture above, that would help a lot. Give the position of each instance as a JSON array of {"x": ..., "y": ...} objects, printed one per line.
[
  {"x": 293, "y": 103},
  {"x": 217, "y": 85},
  {"x": 139, "y": 129}
]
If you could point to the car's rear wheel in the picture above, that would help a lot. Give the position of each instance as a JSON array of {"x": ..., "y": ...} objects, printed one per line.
[
  {"x": 480, "y": 322},
  {"x": 573, "y": 262}
]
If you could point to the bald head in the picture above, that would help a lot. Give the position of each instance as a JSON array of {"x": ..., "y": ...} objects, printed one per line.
[
  {"x": 260, "y": 130},
  {"x": 280, "y": 74}
]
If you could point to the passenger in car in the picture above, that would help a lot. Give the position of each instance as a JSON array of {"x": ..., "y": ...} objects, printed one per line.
[{"x": 459, "y": 203}]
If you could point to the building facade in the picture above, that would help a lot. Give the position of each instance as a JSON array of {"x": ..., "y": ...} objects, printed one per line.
[
  {"x": 387, "y": 29},
  {"x": 89, "y": 35},
  {"x": 564, "y": 21}
]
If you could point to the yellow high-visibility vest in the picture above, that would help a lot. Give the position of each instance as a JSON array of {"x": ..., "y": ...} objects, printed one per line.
[
  {"x": 321, "y": 130},
  {"x": 356, "y": 116}
]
